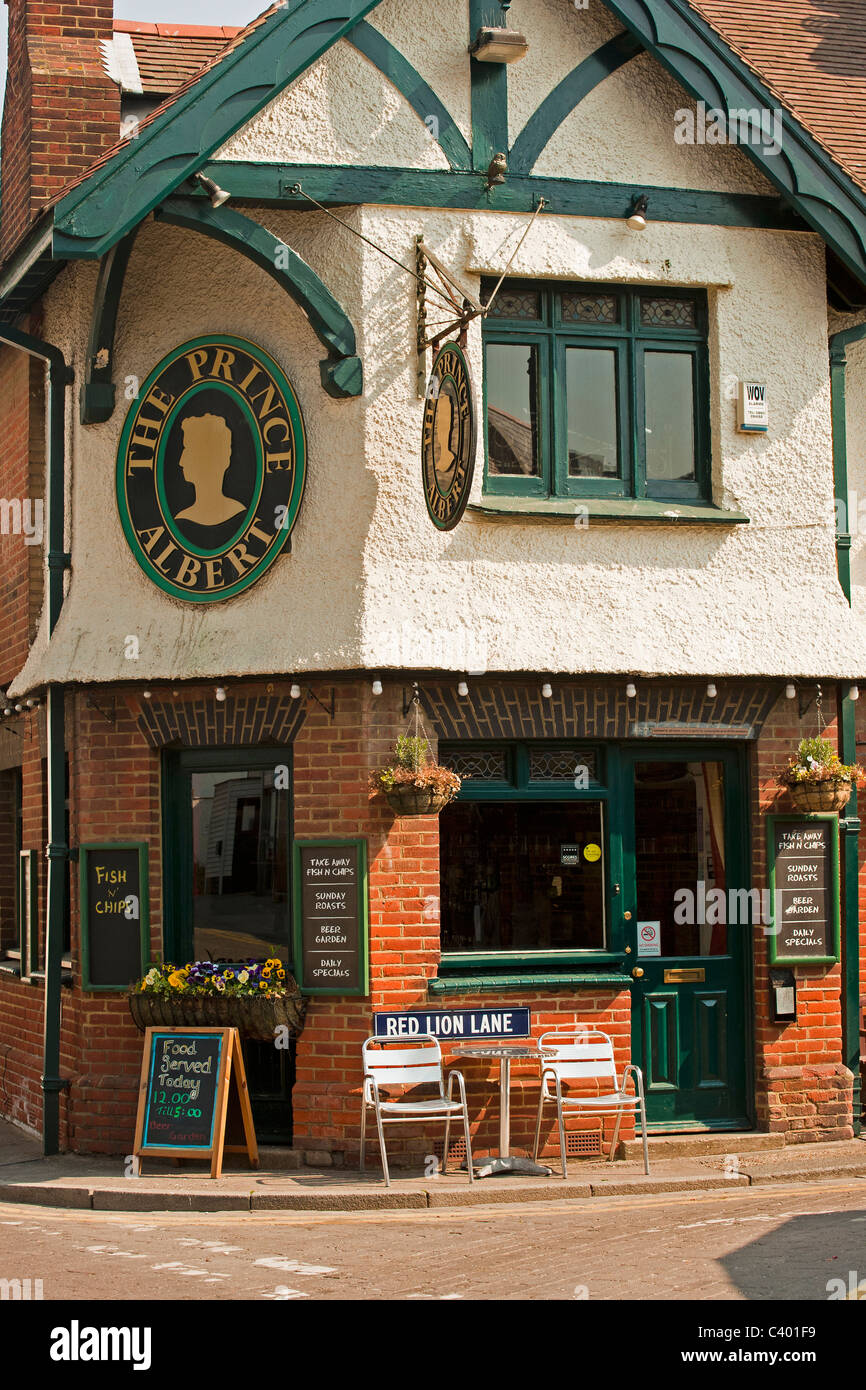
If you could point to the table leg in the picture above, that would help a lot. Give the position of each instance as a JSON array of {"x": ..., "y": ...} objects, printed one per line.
[
  {"x": 503, "y": 1162},
  {"x": 504, "y": 1107}
]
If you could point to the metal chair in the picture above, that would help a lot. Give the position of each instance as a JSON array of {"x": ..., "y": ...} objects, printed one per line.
[
  {"x": 586, "y": 1055},
  {"x": 410, "y": 1066}
]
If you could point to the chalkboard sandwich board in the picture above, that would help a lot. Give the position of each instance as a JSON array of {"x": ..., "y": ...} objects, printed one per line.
[
  {"x": 193, "y": 1093},
  {"x": 331, "y": 917},
  {"x": 804, "y": 889},
  {"x": 114, "y": 914}
]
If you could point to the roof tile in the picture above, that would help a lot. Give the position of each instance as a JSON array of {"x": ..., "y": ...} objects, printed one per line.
[{"x": 811, "y": 54}]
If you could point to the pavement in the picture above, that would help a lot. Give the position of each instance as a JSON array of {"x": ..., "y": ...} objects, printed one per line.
[{"x": 677, "y": 1164}]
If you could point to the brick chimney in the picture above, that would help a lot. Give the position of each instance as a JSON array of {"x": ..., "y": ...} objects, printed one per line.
[{"x": 61, "y": 111}]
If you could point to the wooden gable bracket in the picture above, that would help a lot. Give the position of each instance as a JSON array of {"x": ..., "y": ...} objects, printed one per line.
[
  {"x": 341, "y": 371},
  {"x": 97, "y": 398}
]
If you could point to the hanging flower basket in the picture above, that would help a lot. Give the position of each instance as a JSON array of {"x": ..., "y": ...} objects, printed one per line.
[
  {"x": 417, "y": 801},
  {"x": 816, "y": 779},
  {"x": 820, "y": 796},
  {"x": 205, "y": 995},
  {"x": 412, "y": 783}
]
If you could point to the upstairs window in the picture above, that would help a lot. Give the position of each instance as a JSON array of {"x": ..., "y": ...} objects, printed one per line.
[{"x": 596, "y": 391}]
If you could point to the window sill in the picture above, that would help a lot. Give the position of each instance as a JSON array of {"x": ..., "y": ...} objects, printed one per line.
[
  {"x": 612, "y": 509},
  {"x": 499, "y": 984}
]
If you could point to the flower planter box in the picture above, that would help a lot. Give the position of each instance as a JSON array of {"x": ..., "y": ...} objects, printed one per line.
[
  {"x": 820, "y": 796},
  {"x": 255, "y": 1017}
]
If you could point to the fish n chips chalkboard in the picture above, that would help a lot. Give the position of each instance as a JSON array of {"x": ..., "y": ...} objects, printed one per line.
[
  {"x": 804, "y": 889},
  {"x": 193, "y": 1096},
  {"x": 114, "y": 914},
  {"x": 331, "y": 917}
]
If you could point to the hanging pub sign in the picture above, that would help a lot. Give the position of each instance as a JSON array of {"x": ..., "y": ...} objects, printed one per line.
[
  {"x": 804, "y": 889},
  {"x": 115, "y": 929},
  {"x": 211, "y": 468},
  {"x": 448, "y": 440},
  {"x": 331, "y": 917}
]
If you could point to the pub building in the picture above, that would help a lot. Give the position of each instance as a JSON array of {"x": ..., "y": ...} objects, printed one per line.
[{"x": 509, "y": 357}]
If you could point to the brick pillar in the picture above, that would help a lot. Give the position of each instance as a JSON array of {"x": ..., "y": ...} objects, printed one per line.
[
  {"x": 803, "y": 1090},
  {"x": 61, "y": 109}
]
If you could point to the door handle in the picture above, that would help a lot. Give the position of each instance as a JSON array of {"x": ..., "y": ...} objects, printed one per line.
[
  {"x": 627, "y": 916},
  {"x": 637, "y": 972}
]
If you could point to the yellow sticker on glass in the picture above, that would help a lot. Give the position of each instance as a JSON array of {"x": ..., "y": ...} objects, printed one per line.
[{"x": 592, "y": 853}]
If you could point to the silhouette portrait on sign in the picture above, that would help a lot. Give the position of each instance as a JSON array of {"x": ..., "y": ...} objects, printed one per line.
[
  {"x": 446, "y": 435},
  {"x": 204, "y": 462}
]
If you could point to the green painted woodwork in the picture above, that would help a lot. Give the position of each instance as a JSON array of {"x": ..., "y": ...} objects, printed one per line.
[
  {"x": 612, "y": 509},
  {"x": 459, "y": 962},
  {"x": 328, "y": 319},
  {"x": 339, "y": 185},
  {"x": 174, "y": 146},
  {"x": 489, "y": 92},
  {"x": 629, "y": 340},
  {"x": 363, "y": 888},
  {"x": 421, "y": 97},
  {"x": 692, "y": 1039},
  {"x": 839, "y": 343},
  {"x": 499, "y": 984},
  {"x": 84, "y": 919},
  {"x": 849, "y": 825},
  {"x": 691, "y": 50},
  {"x": 776, "y": 956},
  {"x": 97, "y": 397},
  {"x": 559, "y": 103},
  {"x": 849, "y": 830}
]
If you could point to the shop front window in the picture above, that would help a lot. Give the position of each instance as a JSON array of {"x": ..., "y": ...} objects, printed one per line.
[
  {"x": 523, "y": 851},
  {"x": 239, "y": 848},
  {"x": 522, "y": 876}
]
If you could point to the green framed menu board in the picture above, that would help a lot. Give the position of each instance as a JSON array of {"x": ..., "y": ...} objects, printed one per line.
[
  {"x": 331, "y": 920},
  {"x": 803, "y": 854},
  {"x": 115, "y": 927}
]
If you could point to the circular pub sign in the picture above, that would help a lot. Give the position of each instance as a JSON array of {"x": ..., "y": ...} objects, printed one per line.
[
  {"x": 211, "y": 468},
  {"x": 448, "y": 441}
]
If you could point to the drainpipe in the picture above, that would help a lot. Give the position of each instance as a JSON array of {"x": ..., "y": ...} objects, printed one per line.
[
  {"x": 849, "y": 825},
  {"x": 60, "y": 376}
]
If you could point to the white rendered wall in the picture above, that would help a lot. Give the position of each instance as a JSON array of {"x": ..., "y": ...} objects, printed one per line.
[{"x": 369, "y": 581}]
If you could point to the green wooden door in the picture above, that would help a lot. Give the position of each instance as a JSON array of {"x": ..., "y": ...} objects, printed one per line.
[{"x": 685, "y": 855}]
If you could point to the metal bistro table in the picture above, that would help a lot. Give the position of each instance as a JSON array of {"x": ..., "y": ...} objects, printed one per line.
[{"x": 504, "y": 1161}]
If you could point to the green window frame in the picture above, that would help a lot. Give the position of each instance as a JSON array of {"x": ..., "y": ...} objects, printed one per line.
[
  {"x": 631, "y": 343},
  {"x": 522, "y": 786},
  {"x": 178, "y": 765}
]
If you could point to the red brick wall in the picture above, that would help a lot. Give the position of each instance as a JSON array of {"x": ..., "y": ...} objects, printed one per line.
[
  {"x": 802, "y": 1088},
  {"x": 404, "y": 945},
  {"x": 21, "y": 477},
  {"x": 61, "y": 108}
]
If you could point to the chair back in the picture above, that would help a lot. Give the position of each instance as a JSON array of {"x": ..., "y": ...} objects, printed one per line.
[
  {"x": 403, "y": 1065},
  {"x": 579, "y": 1055}
]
